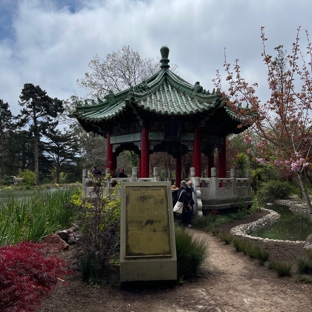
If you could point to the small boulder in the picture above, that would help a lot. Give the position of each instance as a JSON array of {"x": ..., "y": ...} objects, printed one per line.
[
  {"x": 64, "y": 235},
  {"x": 53, "y": 244}
]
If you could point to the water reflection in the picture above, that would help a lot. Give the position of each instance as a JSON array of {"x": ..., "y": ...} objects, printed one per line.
[
  {"x": 19, "y": 194},
  {"x": 290, "y": 226}
]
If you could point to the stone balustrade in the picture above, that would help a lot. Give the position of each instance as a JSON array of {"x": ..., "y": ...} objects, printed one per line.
[{"x": 209, "y": 193}]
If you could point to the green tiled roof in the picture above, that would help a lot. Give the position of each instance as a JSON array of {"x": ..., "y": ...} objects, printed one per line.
[{"x": 164, "y": 93}]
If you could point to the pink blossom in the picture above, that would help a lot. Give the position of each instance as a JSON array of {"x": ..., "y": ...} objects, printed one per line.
[{"x": 261, "y": 160}]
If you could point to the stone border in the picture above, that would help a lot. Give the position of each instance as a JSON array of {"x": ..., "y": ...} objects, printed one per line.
[{"x": 244, "y": 230}]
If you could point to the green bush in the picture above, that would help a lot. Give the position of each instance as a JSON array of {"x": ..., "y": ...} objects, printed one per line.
[
  {"x": 191, "y": 253},
  {"x": 225, "y": 237},
  {"x": 272, "y": 190},
  {"x": 282, "y": 268},
  {"x": 250, "y": 249},
  {"x": 304, "y": 265},
  {"x": 99, "y": 220},
  {"x": 30, "y": 219},
  {"x": 29, "y": 177}
]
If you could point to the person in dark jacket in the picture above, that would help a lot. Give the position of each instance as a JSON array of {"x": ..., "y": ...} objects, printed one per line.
[
  {"x": 189, "y": 191},
  {"x": 96, "y": 171},
  {"x": 122, "y": 173},
  {"x": 187, "y": 208}
]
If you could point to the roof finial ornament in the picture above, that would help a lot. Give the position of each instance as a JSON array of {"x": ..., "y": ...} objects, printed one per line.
[{"x": 164, "y": 51}]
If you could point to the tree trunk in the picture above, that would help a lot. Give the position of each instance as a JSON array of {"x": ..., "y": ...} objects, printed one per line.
[
  {"x": 36, "y": 159},
  {"x": 304, "y": 192},
  {"x": 58, "y": 174}
]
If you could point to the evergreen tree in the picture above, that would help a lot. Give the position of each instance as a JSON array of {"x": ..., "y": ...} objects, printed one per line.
[
  {"x": 39, "y": 113},
  {"x": 6, "y": 128},
  {"x": 62, "y": 149}
]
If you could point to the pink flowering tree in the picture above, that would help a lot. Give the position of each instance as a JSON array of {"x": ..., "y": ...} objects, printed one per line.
[{"x": 283, "y": 123}]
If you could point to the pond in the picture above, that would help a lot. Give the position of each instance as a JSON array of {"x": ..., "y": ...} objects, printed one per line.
[
  {"x": 291, "y": 226},
  {"x": 19, "y": 194}
]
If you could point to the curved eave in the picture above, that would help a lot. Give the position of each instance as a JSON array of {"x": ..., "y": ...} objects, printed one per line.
[
  {"x": 164, "y": 93},
  {"x": 100, "y": 112},
  {"x": 243, "y": 118}
]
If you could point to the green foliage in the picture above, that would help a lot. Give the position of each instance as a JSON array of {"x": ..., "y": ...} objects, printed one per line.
[
  {"x": 272, "y": 190},
  {"x": 225, "y": 237},
  {"x": 249, "y": 249},
  {"x": 305, "y": 278},
  {"x": 241, "y": 161},
  {"x": 32, "y": 218},
  {"x": 282, "y": 268},
  {"x": 100, "y": 242},
  {"x": 29, "y": 177},
  {"x": 191, "y": 253},
  {"x": 304, "y": 265}
]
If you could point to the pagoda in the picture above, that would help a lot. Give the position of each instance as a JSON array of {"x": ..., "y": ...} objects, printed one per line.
[{"x": 164, "y": 113}]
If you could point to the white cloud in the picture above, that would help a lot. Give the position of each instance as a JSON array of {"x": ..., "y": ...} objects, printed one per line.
[{"x": 54, "y": 41}]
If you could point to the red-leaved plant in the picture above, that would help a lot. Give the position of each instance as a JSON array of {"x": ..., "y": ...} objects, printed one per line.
[{"x": 25, "y": 275}]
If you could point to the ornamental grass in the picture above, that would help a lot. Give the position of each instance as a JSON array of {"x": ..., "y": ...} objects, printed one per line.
[{"x": 33, "y": 218}]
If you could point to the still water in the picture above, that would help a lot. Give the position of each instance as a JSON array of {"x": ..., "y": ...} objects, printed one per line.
[
  {"x": 290, "y": 226},
  {"x": 18, "y": 194}
]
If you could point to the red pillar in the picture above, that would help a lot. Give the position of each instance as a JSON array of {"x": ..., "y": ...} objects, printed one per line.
[
  {"x": 197, "y": 153},
  {"x": 222, "y": 160},
  {"x": 109, "y": 153},
  {"x": 210, "y": 163},
  {"x": 178, "y": 170},
  {"x": 144, "y": 153}
]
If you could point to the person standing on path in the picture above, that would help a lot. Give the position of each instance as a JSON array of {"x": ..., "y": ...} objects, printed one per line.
[
  {"x": 187, "y": 208},
  {"x": 189, "y": 191}
]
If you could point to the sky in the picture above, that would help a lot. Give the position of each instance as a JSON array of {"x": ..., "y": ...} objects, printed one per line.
[{"x": 51, "y": 42}]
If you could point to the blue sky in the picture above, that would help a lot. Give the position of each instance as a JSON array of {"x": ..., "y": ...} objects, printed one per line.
[{"x": 50, "y": 43}]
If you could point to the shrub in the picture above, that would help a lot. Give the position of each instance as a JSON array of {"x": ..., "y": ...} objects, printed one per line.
[
  {"x": 100, "y": 241},
  {"x": 251, "y": 250},
  {"x": 239, "y": 243},
  {"x": 304, "y": 265},
  {"x": 32, "y": 218},
  {"x": 204, "y": 222},
  {"x": 272, "y": 190},
  {"x": 29, "y": 177},
  {"x": 282, "y": 268},
  {"x": 191, "y": 253},
  {"x": 225, "y": 237},
  {"x": 25, "y": 275}
]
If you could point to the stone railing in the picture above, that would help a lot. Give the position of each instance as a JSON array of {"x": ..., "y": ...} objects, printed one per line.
[
  {"x": 220, "y": 193},
  {"x": 108, "y": 185},
  {"x": 209, "y": 193}
]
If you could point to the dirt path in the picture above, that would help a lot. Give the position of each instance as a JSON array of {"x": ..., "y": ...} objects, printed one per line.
[
  {"x": 240, "y": 284},
  {"x": 231, "y": 282}
]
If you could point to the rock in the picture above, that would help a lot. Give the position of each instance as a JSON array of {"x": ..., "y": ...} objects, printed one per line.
[
  {"x": 54, "y": 243},
  {"x": 71, "y": 235},
  {"x": 64, "y": 235}
]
